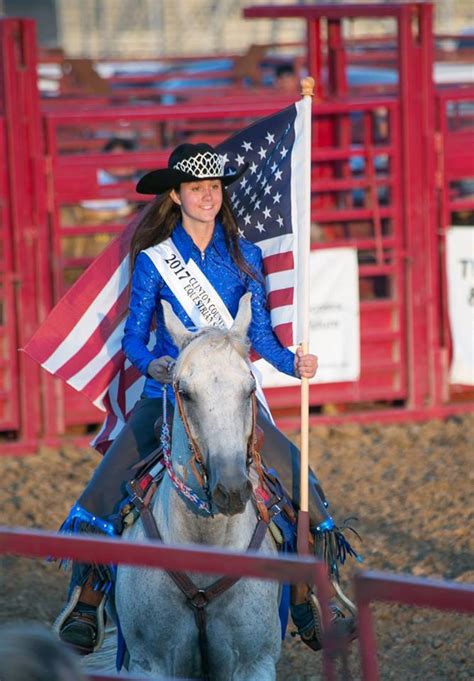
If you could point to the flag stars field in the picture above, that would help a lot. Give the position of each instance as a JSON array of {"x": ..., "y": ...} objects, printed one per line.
[{"x": 268, "y": 163}]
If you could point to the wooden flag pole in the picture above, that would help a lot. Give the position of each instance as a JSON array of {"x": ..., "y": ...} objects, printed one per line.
[{"x": 304, "y": 247}]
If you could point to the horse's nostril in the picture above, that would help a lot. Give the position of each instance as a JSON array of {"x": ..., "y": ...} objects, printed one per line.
[
  {"x": 221, "y": 496},
  {"x": 232, "y": 501}
]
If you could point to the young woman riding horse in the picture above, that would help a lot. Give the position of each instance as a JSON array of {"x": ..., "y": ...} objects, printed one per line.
[{"x": 192, "y": 215}]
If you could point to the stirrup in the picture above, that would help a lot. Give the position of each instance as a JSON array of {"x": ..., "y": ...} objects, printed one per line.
[
  {"x": 67, "y": 612},
  {"x": 308, "y": 620},
  {"x": 344, "y": 600}
]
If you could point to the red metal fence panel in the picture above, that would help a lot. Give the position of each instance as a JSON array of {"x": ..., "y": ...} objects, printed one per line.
[
  {"x": 192, "y": 558},
  {"x": 378, "y": 186},
  {"x": 85, "y": 214},
  {"x": 368, "y": 586},
  {"x": 26, "y": 226},
  {"x": 455, "y": 187},
  {"x": 425, "y": 328},
  {"x": 427, "y": 593},
  {"x": 9, "y": 392},
  {"x": 356, "y": 202}
]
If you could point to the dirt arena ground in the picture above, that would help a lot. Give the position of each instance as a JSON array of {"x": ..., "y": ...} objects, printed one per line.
[{"x": 410, "y": 485}]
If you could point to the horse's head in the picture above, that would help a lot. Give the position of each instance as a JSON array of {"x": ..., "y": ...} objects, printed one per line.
[{"x": 216, "y": 387}]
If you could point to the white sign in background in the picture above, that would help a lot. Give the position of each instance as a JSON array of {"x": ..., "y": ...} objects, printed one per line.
[
  {"x": 334, "y": 320},
  {"x": 460, "y": 275}
]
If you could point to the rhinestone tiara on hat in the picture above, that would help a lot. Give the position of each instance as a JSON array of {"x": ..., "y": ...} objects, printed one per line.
[{"x": 203, "y": 165}]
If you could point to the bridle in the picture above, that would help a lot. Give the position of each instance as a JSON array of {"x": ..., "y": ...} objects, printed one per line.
[{"x": 197, "y": 462}]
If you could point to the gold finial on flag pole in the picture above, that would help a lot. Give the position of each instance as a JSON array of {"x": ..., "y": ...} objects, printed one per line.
[{"x": 307, "y": 86}]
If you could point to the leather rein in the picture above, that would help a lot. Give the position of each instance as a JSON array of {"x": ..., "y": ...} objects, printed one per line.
[{"x": 197, "y": 599}]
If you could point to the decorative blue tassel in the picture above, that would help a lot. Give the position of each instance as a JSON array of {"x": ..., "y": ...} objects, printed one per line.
[
  {"x": 334, "y": 546},
  {"x": 344, "y": 548}
]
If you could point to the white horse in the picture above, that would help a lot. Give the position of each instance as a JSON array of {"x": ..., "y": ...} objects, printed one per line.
[{"x": 215, "y": 384}]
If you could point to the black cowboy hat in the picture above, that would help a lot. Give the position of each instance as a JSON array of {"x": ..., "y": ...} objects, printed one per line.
[{"x": 188, "y": 163}]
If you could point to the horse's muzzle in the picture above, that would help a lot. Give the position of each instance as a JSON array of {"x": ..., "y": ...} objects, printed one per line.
[{"x": 231, "y": 501}]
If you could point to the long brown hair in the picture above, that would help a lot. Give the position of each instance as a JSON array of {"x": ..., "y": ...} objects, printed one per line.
[{"x": 162, "y": 216}]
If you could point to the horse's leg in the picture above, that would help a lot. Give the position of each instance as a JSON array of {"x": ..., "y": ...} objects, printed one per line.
[
  {"x": 245, "y": 632},
  {"x": 158, "y": 628},
  {"x": 264, "y": 670}
]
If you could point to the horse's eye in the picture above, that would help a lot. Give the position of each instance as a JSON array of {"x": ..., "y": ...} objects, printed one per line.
[{"x": 185, "y": 395}]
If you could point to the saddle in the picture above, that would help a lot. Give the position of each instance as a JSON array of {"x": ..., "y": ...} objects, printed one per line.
[{"x": 150, "y": 471}]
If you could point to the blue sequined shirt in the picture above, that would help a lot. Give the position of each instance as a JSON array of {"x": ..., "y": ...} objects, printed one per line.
[{"x": 148, "y": 289}]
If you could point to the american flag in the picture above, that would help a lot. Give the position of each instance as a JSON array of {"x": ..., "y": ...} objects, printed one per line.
[{"x": 80, "y": 340}]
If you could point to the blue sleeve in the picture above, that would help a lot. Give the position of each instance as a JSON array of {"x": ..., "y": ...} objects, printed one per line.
[
  {"x": 144, "y": 293},
  {"x": 261, "y": 334}
]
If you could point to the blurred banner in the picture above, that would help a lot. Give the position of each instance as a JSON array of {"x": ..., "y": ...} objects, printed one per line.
[
  {"x": 334, "y": 320},
  {"x": 460, "y": 275}
]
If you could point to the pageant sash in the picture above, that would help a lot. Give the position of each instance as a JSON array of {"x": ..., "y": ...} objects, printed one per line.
[
  {"x": 192, "y": 288},
  {"x": 196, "y": 294}
]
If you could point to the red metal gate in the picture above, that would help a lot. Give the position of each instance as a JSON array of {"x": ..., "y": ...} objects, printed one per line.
[
  {"x": 26, "y": 292},
  {"x": 9, "y": 392},
  {"x": 384, "y": 586},
  {"x": 84, "y": 215},
  {"x": 378, "y": 185},
  {"x": 455, "y": 189},
  {"x": 368, "y": 586},
  {"x": 290, "y": 569},
  {"x": 356, "y": 190},
  {"x": 356, "y": 202}
]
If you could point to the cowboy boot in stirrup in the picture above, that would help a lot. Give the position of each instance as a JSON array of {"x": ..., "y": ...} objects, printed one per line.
[
  {"x": 81, "y": 624},
  {"x": 306, "y": 616}
]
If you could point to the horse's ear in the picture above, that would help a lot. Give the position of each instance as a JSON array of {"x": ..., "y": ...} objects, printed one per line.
[
  {"x": 243, "y": 317},
  {"x": 179, "y": 333}
]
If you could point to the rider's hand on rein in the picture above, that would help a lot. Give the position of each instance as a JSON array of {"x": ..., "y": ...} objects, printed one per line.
[{"x": 161, "y": 369}]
